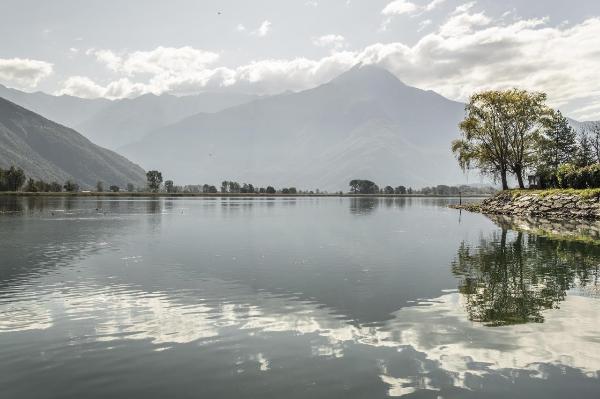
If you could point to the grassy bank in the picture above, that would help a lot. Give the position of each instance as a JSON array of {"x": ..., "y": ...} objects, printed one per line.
[{"x": 583, "y": 193}]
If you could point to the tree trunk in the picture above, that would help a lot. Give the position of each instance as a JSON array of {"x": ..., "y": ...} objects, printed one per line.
[
  {"x": 519, "y": 173},
  {"x": 504, "y": 181}
]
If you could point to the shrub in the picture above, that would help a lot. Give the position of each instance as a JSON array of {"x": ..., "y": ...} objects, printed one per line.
[
  {"x": 564, "y": 175},
  {"x": 568, "y": 176}
]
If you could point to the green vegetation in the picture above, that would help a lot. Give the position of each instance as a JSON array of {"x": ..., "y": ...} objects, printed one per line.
[
  {"x": 582, "y": 193},
  {"x": 513, "y": 131},
  {"x": 499, "y": 133},
  {"x": 155, "y": 179}
]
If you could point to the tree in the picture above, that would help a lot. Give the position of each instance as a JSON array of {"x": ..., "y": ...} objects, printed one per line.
[
  {"x": 169, "y": 186},
  {"x": 55, "y": 187},
  {"x": 499, "y": 133},
  {"x": 585, "y": 151},
  {"x": 285, "y": 191},
  {"x": 400, "y": 190},
  {"x": 559, "y": 141},
  {"x": 130, "y": 188},
  {"x": 354, "y": 186},
  {"x": 594, "y": 134},
  {"x": 70, "y": 186},
  {"x": 270, "y": 190},
  {"x": 115, "y": 189},
  {"x": 363, "y": 187},
  {"x": 293, "y": 190},
  {"x": 388, "y": 190},
  {"x": 100, "y": 187},
  {"x": 31, "y": 187},
  {"x": 154, "y": 178},
  {"x": 15, "y": 178}
]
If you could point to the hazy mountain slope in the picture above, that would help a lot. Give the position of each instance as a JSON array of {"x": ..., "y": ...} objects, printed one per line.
[
  {"x": 128, "y": 120},
  {"x": 113, "y": 124},
  {"x": 66, "y": 110},
  {"x": 363, "y": 124},
  {"x": 52, "y": 152}
]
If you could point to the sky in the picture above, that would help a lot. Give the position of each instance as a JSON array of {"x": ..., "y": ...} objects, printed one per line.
[{"x": 126, "y": 48}]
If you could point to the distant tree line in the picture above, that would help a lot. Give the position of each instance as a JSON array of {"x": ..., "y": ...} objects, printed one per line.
[
  {"x": 155, "y": 184},
  {"x": 14, "y": 179},
  {"x": 369, "y": 187},
  {"x": 515, "y": 132}
]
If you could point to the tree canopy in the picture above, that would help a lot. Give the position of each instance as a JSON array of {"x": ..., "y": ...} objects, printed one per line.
[{"x": 499, "y": 132}]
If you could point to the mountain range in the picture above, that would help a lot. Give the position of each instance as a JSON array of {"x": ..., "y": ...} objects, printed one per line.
[
  {"x": 113, "y": 124},
  {"x": 364, "y": 124},
  {"x": 52, "y": 152}
]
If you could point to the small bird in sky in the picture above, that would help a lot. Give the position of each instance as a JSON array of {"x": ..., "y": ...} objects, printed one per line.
[{"x": 219, "y": 12}]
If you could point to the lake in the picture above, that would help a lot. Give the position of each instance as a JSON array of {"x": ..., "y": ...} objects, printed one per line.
[{"x": 293, "y": 298}]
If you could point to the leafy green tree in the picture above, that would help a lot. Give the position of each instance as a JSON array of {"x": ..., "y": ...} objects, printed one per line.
[
  {"x": 15, "y": 178},
  {"x": 270, "y": 190},
  {"x": 130, "y": 188},
  {"x": 55, "y": 187},
  {"x": 388, "y": 190},
  {"x": 155, "y": 179},
  {"x": 114, "y": 189},
  {"x": 354, "y": 186},
  {"x": 224, "y": 186},
  {"x": 400, "y": 190},
  {"x": 169, "y": 186},
  {"x": 31, "y": 187},
  {"x": 363, "y": 187},
  {"x": 70, "y": 186},
  {"x": 499, "y": 133}
]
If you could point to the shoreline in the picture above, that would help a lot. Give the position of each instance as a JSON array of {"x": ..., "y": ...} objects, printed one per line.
[
  {"x": 223, "y": 195},
  {"x": 551, "y": 204}
]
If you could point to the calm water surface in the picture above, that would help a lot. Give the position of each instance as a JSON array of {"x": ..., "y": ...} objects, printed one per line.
[{"x": 293, "y": 298}]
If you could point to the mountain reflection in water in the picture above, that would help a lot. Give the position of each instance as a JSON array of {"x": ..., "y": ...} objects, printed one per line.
[{"x": 175, "y": 298}]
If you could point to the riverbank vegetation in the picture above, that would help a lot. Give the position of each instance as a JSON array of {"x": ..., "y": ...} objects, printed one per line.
[{"x": 514, "y": 132}]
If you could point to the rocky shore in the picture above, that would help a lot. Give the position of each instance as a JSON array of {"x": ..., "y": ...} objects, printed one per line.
[{"x": 551, "y": 204}]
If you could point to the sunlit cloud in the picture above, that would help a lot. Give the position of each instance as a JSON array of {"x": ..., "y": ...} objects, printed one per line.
[{"x": 24, "y": 72}]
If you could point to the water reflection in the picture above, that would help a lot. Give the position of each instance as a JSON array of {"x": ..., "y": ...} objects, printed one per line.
[{"x": 263, "y": 324}]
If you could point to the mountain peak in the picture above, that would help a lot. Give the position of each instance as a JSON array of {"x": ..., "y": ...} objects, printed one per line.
[{"x": 369, "y": 74}]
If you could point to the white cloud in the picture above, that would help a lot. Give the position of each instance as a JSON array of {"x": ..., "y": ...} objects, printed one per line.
[
  {"x": 240, "y": 28},
  {"x": 424, "y": 24},
  {"x": 264, "y": 29},
  {"x": 84, "y": 87},
  {"x": 81, "y": 86},
  {"x": 398, "y": 7},
  {"x": 335, "y": 41},
  {"x": 434, "y": 4},
  {"x": 168, "y": 60},
  {"x": 470, "y": 51},
  {"x": 24, "y": 72}
]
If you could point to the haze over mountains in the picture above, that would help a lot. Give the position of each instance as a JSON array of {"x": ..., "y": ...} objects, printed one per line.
[
  {"x": 52, "y": 152},
  {"x": 364, "y": 124},
  {"x": 112, "y": 124}
]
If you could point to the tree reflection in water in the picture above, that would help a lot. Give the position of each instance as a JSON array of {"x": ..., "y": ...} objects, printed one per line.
[{"x": 512, "y": 277}]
